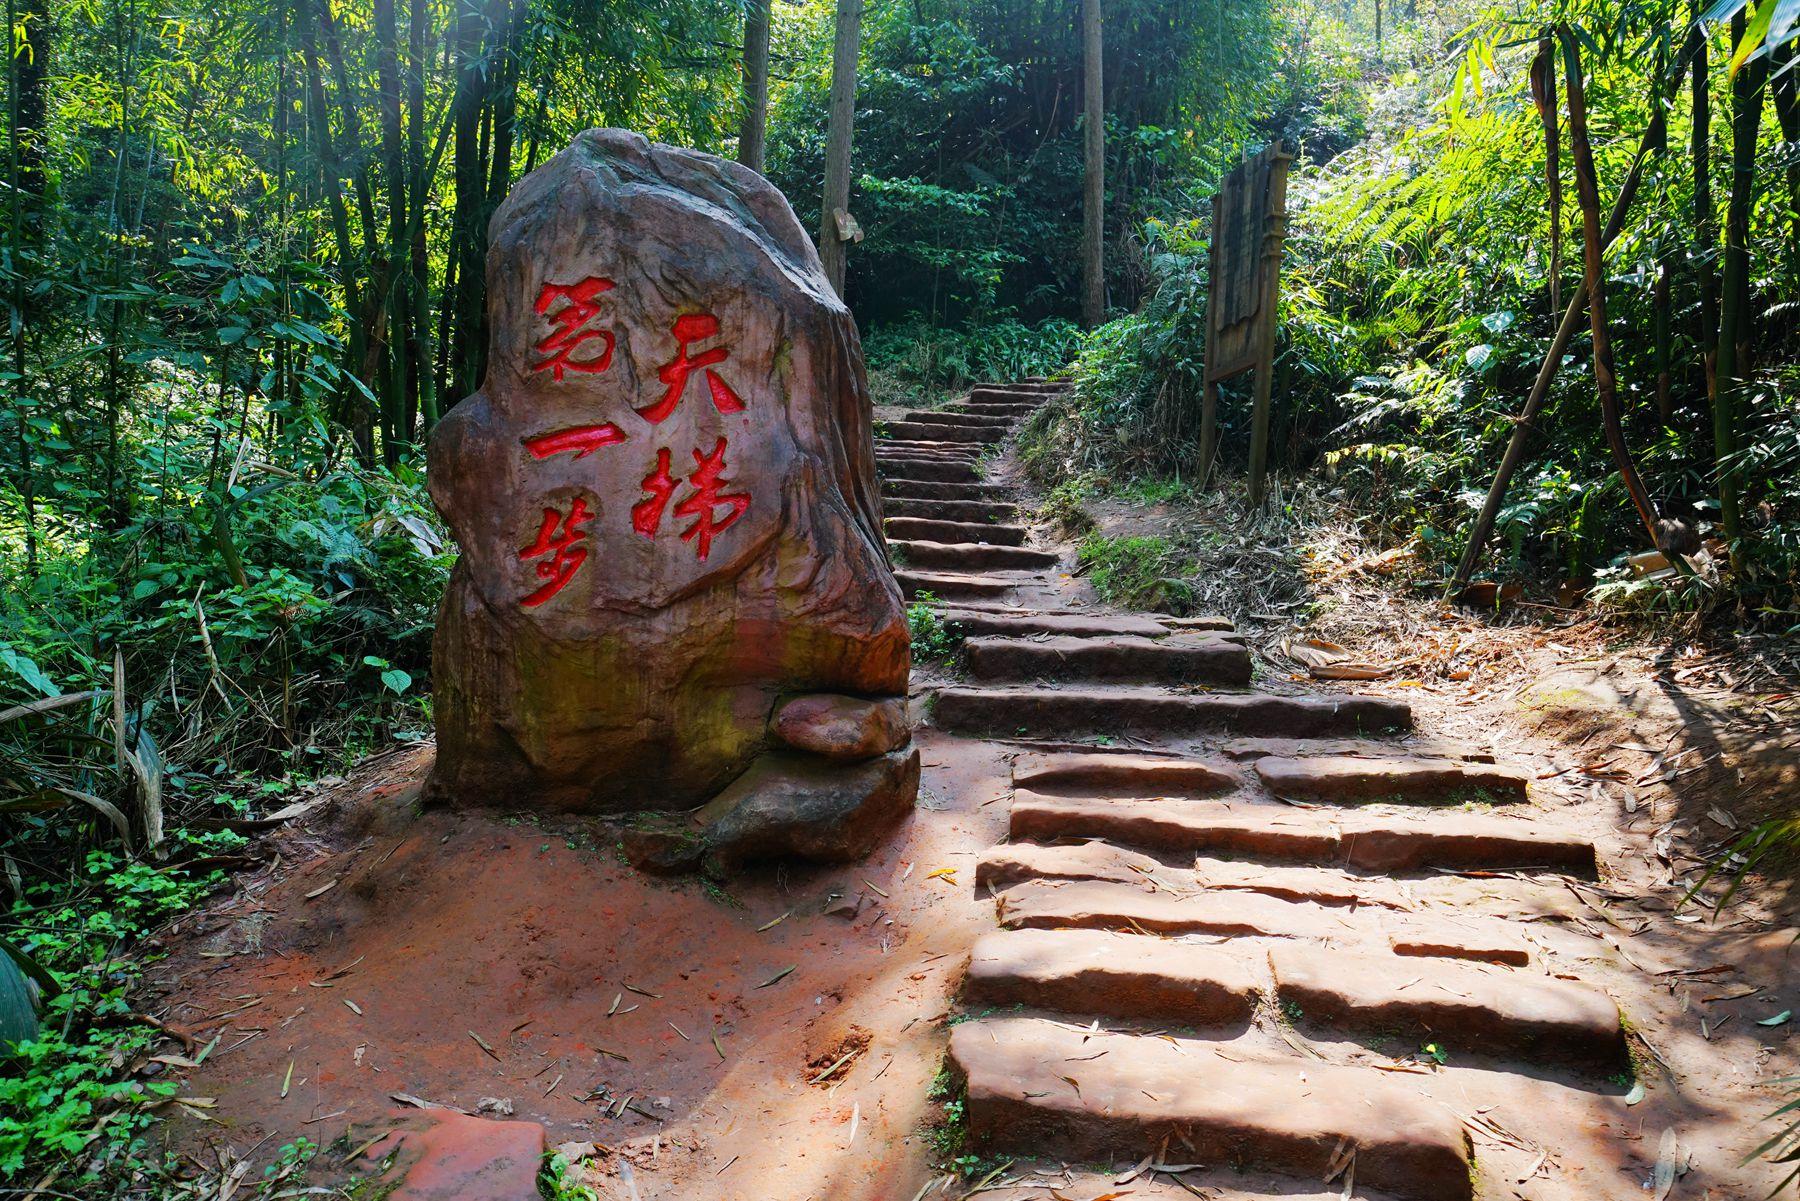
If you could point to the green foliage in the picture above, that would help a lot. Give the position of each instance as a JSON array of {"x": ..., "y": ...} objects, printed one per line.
[
  {"x": 933, "y": 639},
  {"x": 1414, "y": 319},
  {"x": 556, "y": 1181},
  {"x": 1138, "y": 572},
  {"x": 64, "y": 1080},
  {"x": 933, "y": 359},
  {"x": 1064, "y": 509}
]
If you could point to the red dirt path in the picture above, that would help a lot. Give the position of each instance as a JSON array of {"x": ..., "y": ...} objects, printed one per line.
[{"x": 444, "y": 926}]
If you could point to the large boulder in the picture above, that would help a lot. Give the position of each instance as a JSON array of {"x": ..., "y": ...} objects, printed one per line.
[{"x": 664, "y": 493}]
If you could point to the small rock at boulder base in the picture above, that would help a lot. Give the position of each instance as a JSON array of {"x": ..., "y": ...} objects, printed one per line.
[
  {"x": 843, "y": 727},
  {"x": 800, "y": 806},
  {"x": 664, "y": 496},
  {"x": 447, "y": 1156}
]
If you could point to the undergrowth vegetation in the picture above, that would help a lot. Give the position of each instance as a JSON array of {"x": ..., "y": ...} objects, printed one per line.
[{"x": 1415, "y": 315}]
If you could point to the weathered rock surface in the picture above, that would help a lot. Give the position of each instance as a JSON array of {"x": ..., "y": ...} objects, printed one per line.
[
  {"x": 799, "y": 806},
  {"x": 664, "y": 493},
  {"x": 1353, "y": 779},
  {"x": 843, "y": 727},
  {"x": 447, "y": 1156},
  {"x": 1034, "y": 1083}
]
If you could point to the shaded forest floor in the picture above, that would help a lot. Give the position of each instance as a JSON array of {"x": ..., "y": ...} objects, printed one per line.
[{"x": 705, "y": 1041}]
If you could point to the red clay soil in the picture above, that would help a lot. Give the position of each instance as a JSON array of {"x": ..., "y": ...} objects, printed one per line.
[{"x": 483, "y": 955}]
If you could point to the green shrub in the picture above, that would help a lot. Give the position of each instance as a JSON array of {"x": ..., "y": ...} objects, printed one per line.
[{"x": 1138, "y": 572}]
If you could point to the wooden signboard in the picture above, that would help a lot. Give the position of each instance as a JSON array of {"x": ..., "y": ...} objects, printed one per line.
[{"x": 1249, "y": 224}]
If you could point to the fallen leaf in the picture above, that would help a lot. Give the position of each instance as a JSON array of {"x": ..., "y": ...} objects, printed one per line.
[{"x": 778, "y": 977}]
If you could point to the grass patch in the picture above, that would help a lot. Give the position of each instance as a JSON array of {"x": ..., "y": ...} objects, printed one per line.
[
  {"x": 933, "y": 639},
  {"x": 1139, "y": 573}
]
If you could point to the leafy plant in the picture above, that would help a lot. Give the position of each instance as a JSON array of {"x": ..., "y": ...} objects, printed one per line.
[{"x": 1137, "y": 572}]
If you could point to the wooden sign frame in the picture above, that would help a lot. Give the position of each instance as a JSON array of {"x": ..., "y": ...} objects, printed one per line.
[{"x": 1249, "y": 227}]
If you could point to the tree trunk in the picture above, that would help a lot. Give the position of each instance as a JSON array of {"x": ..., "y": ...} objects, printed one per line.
[
  {"x": 31, "y": 70},
  {"x": 27, "y": 484},
  {"x": 421, "y": 396},
  {"x": 1784, "y": 90},
  {"x": 1593, "y": 246},
  {"x": 1093, "y": 185},
  {"x": 1540, "y": 388},
  {"x": 356, "y": 345},
  {"x": 471, "y": 198},
  {"x": 752, "y": 134},
  {"x": 1734, "y": 290},
  {"x": 832, "y": 247},
  {"x": 348, "y": 105},
  {"x": 1543, "y": 94},
  {"x": 398, "y": 251},
  {"x": 1705, "y": 234},
  {"x": 1661, "y": 100}
]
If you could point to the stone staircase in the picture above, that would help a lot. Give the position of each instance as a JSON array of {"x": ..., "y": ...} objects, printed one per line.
[{"x": 1214, "y": 932}]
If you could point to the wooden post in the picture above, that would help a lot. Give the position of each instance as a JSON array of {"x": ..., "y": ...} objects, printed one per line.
[
  {"x": 1274, "y": 230},
  {"x": 1209, "y": 428}
]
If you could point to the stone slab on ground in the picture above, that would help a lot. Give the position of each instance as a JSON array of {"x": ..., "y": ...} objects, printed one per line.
[
  {"x": 1034, "y": 1083},
  {"x": 1121, "y": 774},
  {"x": 1172, "y": 659},
  {"x": 1110, "y": 974},
  {"x": 1144, "y": 711},
  {"x": 1400, "y": 842},
  {"x": 1355, "y": 779},
  {"x": 447, "y": 1156}
]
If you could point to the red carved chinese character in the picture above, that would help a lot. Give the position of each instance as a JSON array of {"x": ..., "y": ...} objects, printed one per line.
[
  {"x": 693, "y": 327},
  {"x": 571, "y": 326},
  {"x": 706, "y": 497},
  {"x": 584, "y": 440},
  {"x": 646, "y": 515},
  {"x": 565, "y": 556}
]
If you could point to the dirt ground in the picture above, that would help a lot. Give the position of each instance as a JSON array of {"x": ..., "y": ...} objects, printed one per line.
[{"x": 778, "y": 1036}]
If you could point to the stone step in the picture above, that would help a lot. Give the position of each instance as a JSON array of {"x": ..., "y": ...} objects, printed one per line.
[
  {"x": 920, "y": 490},
  {"x": 1032, "y": 393},
  {"x": 1074, "y": 773},
  {"x": 1013, "y": 863},
  {"x": 929, "y": 530},
  {"x": 1062, "y": 712},
  {"x": 973, "y": 512},
  {"x": 1103, "y": 905},
  {"x": 1014, "y": 411},
  {"x": 1397, "y": 843},
  {"x": 1142, "y": 978},
  {"x": 1297, "y": 748},
  {"x": 1025, "y": 623},
  {"x": 925, "y": 470},
  {"x": 939, "y": 431},
  {"x": 1182, "y": 659},
  {"x": 1105, "y": 974},
  {"x": 950, "y": 585},
  {"x": 1490, "y": 1010},
  {"x": 1287, "y": 882},
  {"x": 960, "y": 417},
  {"x": 937, "y": 451},
  {"x": 972, "y": 556},
  {"x": 1033, "y": 1083},
  {"x": 1356, "y": 779},
  {"x": 1033, "y": 385}
]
